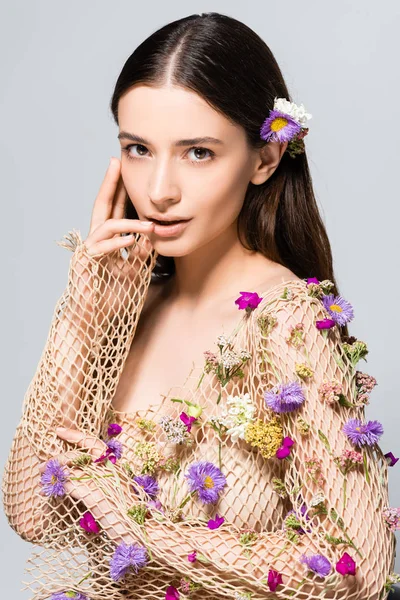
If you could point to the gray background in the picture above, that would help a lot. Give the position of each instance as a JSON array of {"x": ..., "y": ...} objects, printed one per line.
[{"x": 59, "y": 62}]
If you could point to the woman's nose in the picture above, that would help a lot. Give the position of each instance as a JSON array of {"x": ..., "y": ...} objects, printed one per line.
[{"x": 163, "y": 185}]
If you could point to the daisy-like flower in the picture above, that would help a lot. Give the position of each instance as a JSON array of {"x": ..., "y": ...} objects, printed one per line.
[
  {"x": 346, "y": 565},
  {"x": 274, "y": 579},
  {"x": 339, "y": 309},
  {"x": 207, "y": 480},
  {"x": 148, "y": 483},
  {"x": 363, "y": 434},
  {"x": 127, "y": 558},
  {"x": 248, "y": 301},
  {"x": 317, "y": 563},
  {"x": 284, "y": 122},
  {"x": 54, "y": 478},
  {"x": 89, "y": 523},
  {"x": 285, "y": 397},
  {"x": 68, "y": 595},
  {"x": 115, "y": 447},
  {"x": 238, "y": 416}
]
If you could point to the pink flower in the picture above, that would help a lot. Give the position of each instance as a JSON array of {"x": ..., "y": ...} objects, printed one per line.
[
  {"x": 187, "y": 420},
  {"x": 325, "y": 324},
  {"x": 274, "y": 579},
  {"x": 192, "y": 557},
  {"x": 88, "y": 523},
  {"x": 284, "y": 450},
  {"x": 346, "y": 565},
  {"x": 248, "y": 300},
  {"x": 114, "y": 429},
  {"x": 312, "y": 280},
  {"x": 215, "y": 523},
  {"x": 172, "y": 593}
]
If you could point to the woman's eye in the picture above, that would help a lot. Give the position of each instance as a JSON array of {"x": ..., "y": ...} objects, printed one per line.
[
  {"x": 199, "y": 154},
  {"x": 140, "y": 148}
]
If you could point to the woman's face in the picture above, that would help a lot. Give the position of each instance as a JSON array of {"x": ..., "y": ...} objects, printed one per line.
[{"x": 169, "y": 175}]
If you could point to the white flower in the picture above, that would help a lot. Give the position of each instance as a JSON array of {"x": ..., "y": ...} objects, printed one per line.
[
  {"x": 298, "y": 113},
  {"x": 317, "y": 499},
  {"x": 238, "y": 416}
]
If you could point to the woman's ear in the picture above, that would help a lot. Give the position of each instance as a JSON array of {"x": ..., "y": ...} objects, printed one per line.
[{"x": 267, "y": 161}]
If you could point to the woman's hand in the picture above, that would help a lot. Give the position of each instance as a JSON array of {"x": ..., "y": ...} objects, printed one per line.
[{"x": 116, "y": 262}]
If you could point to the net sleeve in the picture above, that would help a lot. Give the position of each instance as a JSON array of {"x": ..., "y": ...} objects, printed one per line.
[
  {"x": 334, "y": 542},
  {"x": 92, "y": 327}
]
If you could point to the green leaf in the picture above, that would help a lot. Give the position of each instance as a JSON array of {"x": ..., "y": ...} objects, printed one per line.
[
  {"x": 344, "y": 402},
  {"x": 366, "y": 467},
  {"x": 324, "y": 440}
]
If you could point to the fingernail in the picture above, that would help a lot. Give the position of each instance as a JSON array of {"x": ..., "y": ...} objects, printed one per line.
[
  {"x": 146, "y": 222},
  {"x": 61, "y": 429}
]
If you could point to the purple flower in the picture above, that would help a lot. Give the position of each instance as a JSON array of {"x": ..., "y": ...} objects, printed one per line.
[
  {"x": 346, "y": 565},
  {"x": 279, "y": 127},
  {"x": 148, "y": 483},
  {"x": 206, "y": 479},
  {"x": 325, "y": 324},
  {"x": 172, "y": 593},
  {"x": 68, "y": 595},
  {"x": 284, "y": 397},
  {"x": 284, "y": 450},
  {"x": 274, "y": 579},
  {"x": 114, "y": 429},
  {"x": 127, "y": 557},
  {"x": 54, "y": 478},
  {"x": 391, "y": 459},
  {"x": 215, "y": 523},
  {"x": 116, "y": 447},
  {"x": 317, "y": 563},
  {"x": 154, "y": 504},
  {"x": 187, "y": 420},
  {"x": 88, "y": 523},
  {"x": 248, "y": 300},
  {"x": 192, "y": 557},
  {"x": 312, "y": 280},
  {"x": 363, "y": 434},
  {"x": 339, "y": 309}
]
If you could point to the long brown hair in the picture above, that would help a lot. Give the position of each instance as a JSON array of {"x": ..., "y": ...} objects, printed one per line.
[{"x": 232, "y": 68}]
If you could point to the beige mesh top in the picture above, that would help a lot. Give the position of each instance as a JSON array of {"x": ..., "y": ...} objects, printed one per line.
[{"x": 242, "y": 484}]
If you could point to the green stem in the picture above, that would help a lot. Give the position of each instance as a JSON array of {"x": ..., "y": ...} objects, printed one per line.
[
  {"x": 297, "y": 587},
  {"x": 186, "y": 500},
  {"x": 366, "y": 467},
  {"x": 91, "y": 477},
  {"x": 269, "y": 361},
  {"x": 200, "y": 380},
  {"x": 84, "y": 578},
  {"x": 285, "y": 545},
  {"x": 219, "y": 454},
  {"x": 344, "y": 491}
]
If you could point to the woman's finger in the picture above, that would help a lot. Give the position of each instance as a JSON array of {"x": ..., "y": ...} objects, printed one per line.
[
  {"x": 64, "y": 459},
  {"x": 118, "y": 209},
  {"x": 103, "y": 204},
  {"x": 82, "y": 440}
]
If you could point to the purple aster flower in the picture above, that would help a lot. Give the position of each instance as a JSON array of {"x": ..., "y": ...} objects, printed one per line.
[
  {"x": 279, "y": 127},
  {"x": 127, "y": 557},
  {"x": 325, "y": 324},
  {"x": 215, "y": 523},
  {"x": 206, "y": 479},
  {"x": 340, "y": 310},
  {"x": 115, "y": 446},
  {"x": 54, "y": 478},
  {"x": 148, "y": 483},
  {"x": 317, "y": 563},
  {"x": 391, "y": 459},
  {"x": 363, "y": 434},
  {"x": 248, "y": 300},
  {"x": 284, "y": 397},
  {"x": 114, "y": 429},
  {"x": 68, "y": 595}
]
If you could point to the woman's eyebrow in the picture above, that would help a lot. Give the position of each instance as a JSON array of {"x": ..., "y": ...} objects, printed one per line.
[{"x": 188, "y": 142}]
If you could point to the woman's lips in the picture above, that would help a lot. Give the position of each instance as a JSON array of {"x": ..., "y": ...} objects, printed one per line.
[{"x": 170, "y": 230}]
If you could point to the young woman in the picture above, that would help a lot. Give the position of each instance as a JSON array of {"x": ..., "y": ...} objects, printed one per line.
[{"x": 213, "y": 439}]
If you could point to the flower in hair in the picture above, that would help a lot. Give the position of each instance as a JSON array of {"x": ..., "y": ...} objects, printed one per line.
[{"x": 286, "y": 122}]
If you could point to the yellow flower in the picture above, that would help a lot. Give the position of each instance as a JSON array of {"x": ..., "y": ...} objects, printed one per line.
[
  {"x": 193, "y": 410},
  {"x": 303, "y": 370},
  {"x": 265, "y": 435}
]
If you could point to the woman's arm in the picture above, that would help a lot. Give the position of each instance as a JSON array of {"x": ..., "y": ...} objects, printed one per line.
[
  {"x": 330, "y": 522},
  {"x": 73, "y": 385}
]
